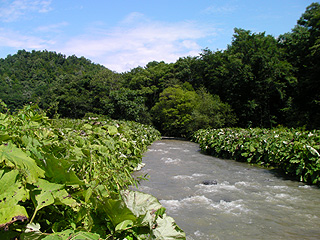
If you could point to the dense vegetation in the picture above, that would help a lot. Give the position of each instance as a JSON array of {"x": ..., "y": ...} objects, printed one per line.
[
  {"x": 294, "y": 152},
  {"x": 259, "y": 80},
  {"x": 69, "y": 179}
]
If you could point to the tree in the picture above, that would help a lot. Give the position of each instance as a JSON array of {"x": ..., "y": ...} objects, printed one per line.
[
  {"x": 150, "y": 80},
  {"x": 253, "y": 76},
  {"x": 188, "y": 69},
  {"x": 129, "y": 105},
  {"x": 102, "y": 84},
  {"x": 173, "y": 113},
  {"x": 302, "y": 46},
  {"x": 181, "y": 111},
  {"x": 210, "y": 112}
]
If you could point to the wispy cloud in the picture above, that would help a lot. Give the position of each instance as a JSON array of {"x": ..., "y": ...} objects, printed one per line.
[
  {"x": 9, "y": 38},
  {"x": 138, "y": 40},
  {"x": 14, "y": 10},
  {"x": 228, "y": 8},
  {"x": 135, "y": 41},
  {"x": 57, "y": 27}
]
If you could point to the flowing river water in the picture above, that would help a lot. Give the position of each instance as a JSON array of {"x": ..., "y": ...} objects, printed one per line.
[{"x": 245, "y": 203}]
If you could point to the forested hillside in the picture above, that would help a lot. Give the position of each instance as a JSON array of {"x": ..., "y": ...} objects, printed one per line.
[{"x": 259, "y": 80}]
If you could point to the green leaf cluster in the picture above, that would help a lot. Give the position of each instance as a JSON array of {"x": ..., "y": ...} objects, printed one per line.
[
  {"x": 68, "y": 179},
  {"x": 296, "y": 153},
  {"x": 181, "y": 111}
]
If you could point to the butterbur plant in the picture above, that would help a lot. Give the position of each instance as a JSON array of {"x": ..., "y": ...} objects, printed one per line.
[
  {"x": 69, "y": 179},
  {"x": 294, "y": 152}
]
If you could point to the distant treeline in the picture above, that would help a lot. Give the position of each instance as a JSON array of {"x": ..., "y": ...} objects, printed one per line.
[{"x": 258, "y": 81}]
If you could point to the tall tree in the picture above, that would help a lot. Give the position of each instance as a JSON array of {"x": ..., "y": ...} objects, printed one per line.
[
  {"x": 129, "y": 105},
  {"x": 173, "y": 113},
  {"x": 181, "y": 111},
  {"x": 253, "y": 76},
  {"x": 188, "y": 69},
  {"x": 302, "y": 46},
  {"x": 150, "y": 80}
]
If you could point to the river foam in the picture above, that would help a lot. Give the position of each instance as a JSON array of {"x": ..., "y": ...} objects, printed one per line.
[
  {"x": 234, "y": 207},
  {"x": 225, "y": 186},
  {"x": 194, "y": 176},
  {"x": 168, "y": 160},
  {"x": 192, "y": 201},
  {"x": 183, "y": 177}
]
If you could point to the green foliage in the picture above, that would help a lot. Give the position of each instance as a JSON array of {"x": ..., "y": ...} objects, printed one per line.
[
  {"x": 253, "y": 76},
  {"x": 295, "y": 152},
  {"x": 129, "y": 105},
  {"x": 189, "y": 69},
  {"x": 302, "y": 48},
  {"x": 36, "y": 76},
  {"x": 173, "y": 111},
  {"x": 210, "y": 111},
  {"x": 181, "y": 111},
  {"x": 150, "y": 81},
  {"x": 65, "y": 179}
]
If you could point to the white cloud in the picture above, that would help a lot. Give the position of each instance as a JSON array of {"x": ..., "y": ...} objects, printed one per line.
[
  {"x": 133, "y": 18},
  {"x": 134, "y": 42},
  {"x": 219, "y": 9},
  {"x": 9, "y": 38},
  {"x": 52, "y": 28},
  {"x": 137, "y": 41},
  {"x": 14, "y": 10}
]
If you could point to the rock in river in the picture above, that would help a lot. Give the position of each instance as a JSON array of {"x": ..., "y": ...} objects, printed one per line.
[{"x": 209, "y": 182}]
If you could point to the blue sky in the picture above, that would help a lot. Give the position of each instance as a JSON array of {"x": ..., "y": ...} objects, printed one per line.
[{"x": 124, "y": 34}]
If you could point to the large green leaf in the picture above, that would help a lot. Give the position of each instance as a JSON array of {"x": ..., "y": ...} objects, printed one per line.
[
  {"x": 151, "y": 212},
  {"x": 42, "y": 196},
  {"x": 59, "y": 170},
  {"x": 48, "y": 193},
  {"x": 167, "y": 229},
  {"x": 11, "y": 190},
  {"x": 15, "y": 157},
  {"x": 11, "y": 193},
  {"x": 9, "y": 215},
  {"x": 64, "y": 235},
  {"x": 112, "y": 130},
  {"x": 118, "y": 212},
  {"x": 142, "y": 205}
]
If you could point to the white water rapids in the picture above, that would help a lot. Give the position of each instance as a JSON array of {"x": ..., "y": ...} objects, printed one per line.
[{"x": 246, "y": 203}]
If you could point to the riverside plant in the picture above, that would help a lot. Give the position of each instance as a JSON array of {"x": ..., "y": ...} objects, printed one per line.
[
  {"x": 69, "y": 179},
  {"x": 294, "y": 152}
]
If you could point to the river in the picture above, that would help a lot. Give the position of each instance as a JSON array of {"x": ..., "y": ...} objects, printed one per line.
[{"x": 246, "y": 202}]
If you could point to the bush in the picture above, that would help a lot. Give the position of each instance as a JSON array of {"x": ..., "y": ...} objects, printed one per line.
[
  {"x": 294, "y": 152},
  {"x": 181, "y": 111}
]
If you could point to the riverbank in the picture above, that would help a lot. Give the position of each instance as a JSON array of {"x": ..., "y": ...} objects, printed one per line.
[
  {"x": 246, "y": 203},
  {"x": 294, "y": 152}
]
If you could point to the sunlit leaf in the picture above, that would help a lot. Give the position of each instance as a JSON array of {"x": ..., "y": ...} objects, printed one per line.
[
  {"x": 124, "y": 225},
  {"x": 148, "y": 207},
  {"x": 112, "y": 130},
  {"x": 9, "y": 215},
  {"x": 15, "y": 157},
  {"x": 11, "y": 190}
]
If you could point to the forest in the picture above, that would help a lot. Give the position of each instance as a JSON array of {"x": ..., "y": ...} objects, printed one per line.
[{"x": 259, "y": 80}]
